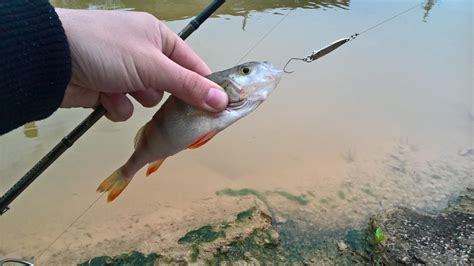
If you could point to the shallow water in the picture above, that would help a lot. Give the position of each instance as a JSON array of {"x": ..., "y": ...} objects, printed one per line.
[{"x": 383, "y": 121}]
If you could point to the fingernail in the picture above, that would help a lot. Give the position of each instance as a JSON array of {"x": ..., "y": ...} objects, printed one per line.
[{"x": 216, "y": 99}]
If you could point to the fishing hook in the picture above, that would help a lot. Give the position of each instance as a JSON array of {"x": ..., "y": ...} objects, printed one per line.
[
  {"x": 291, "y": 59},
  {"x": 321, "y": 52}
]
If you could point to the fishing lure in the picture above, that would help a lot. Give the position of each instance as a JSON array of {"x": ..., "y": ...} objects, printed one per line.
[
  {"x": 321, "y": 52},
  {"x": 333, "y": 46}
]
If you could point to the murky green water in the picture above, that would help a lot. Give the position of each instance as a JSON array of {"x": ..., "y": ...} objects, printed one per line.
[{"x": 384, "y": 121}]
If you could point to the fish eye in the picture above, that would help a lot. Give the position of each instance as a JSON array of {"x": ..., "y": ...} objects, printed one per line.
[{"x": 244, "y": 70}]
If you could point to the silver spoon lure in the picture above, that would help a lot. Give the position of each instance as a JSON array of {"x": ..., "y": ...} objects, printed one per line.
[{"x": 321, "y": 52}]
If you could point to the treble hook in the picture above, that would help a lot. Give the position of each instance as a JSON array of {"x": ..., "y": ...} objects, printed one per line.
[{"x": 321, "y": 52}]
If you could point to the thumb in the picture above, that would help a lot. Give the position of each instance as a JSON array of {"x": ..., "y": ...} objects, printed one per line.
[{"x": 188, "y": 86}]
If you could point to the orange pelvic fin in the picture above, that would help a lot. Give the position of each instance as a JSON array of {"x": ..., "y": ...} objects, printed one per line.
[
  {"x": 203, "y": 140},
  {"x": 152, "y": 167},
  {"x": 114, "y": 184}
]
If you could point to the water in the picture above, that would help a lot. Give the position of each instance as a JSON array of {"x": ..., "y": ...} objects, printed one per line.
[{"x": 381, "y": 122}]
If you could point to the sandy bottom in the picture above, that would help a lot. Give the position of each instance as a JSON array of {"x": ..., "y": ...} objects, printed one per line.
[{"x": 153, "y": 213}]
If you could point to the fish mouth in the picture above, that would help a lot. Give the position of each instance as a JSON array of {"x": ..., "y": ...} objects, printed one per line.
[
  {"x": 236, "y": 105},
  {"x": 275, "y": 71}
]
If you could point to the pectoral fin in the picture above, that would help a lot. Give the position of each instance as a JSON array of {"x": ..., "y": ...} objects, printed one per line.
[
  {"x": 203, "y": 140},
  {"x": 152, "y": 167}
]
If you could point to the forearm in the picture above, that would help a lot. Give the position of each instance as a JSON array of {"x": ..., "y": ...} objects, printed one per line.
[{"x": 35, "y": 62}]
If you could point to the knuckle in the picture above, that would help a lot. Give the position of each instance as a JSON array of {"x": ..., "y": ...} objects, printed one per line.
[
  {"x": 190, "y": 83},
  {"x": 148, "y": 17}
]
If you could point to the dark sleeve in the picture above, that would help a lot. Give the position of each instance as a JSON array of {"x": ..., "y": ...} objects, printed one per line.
[{"x": 35, "y": 62}]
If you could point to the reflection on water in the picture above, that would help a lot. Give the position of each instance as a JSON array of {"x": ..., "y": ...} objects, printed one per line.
[
  {"x": 173, "y": 10},
  {"x": 374, "y": 125},
  {"x": 30, "y": 130},
  {"x": 427, "y": 7},
  {"x": 176, "y": 10}
]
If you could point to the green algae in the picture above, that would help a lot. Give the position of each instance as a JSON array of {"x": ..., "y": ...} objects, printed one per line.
[
  {"x": 261, "y": 246},
  {"x": 225, "y": 225},
  {"x": 194, "y": 253},
  {"x": 301, "y": 199},
  {"x": 368, "y": 191},
  {"x": 325, "y": 200},
  {"x": 357, "y": 240},
  {"x": 242, "y": 192},
  {"x": 245, "y": 215},
  {"x": 437, "y": 177},
  {"x": 128, "y": 259},
  {"x": 294, "y": 241},
  {"x": 341, "y": 195},
  {"x": 295, "y": 246},
  {"x": 309, "y": 245},
  {"x": 463, "y": 202},
  {"x": 203, "y": 234}
]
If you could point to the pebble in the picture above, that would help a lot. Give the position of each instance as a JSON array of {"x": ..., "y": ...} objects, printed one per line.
[{"x": 341, "y": 246}]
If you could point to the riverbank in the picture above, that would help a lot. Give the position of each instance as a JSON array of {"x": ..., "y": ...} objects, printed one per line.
[{"x": 398, "y": 235}]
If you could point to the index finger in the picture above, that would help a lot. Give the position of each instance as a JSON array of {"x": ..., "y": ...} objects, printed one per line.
[{"x": 180, "y": 52}]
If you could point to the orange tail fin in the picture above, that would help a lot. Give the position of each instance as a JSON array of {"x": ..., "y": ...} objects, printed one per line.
[
  {"x": 152, "y": 167},
  {"x": 114, "y": 184}
]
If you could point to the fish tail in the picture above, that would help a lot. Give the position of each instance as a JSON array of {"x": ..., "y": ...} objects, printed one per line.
[{"x": 114, "y": 184}]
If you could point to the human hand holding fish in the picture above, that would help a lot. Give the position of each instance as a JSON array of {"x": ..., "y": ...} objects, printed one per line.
[{"x": 132, "y": 53}]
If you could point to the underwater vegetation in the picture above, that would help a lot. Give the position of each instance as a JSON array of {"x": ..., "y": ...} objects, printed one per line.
[
  {"x": 341, "y": 195},
  {"x": 245, "y": 215},
  {"x": 300, "y": 199},
  {"x": 391, "y": 236},
  {"x": 368, "y": 191},
  {"x": 243, "y": 192},
  {"x": 249, "y": 233},
  {"x": 132, "y": 258},
  {"x": 258, "y": 246},
  {"x": 203, "y": 234}
]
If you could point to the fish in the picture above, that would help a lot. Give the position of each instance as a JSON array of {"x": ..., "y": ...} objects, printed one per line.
[{"x": 177, "y": 126}]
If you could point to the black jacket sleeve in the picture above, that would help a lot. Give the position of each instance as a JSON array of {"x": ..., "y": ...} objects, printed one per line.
[{"x": 35, "y": 62}]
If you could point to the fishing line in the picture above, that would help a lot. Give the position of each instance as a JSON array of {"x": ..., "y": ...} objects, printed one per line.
[
  {"x": 69, "y": 226},
  {"x": 265, "y": 36},
  {"x": 387, "y": 20},
  {"x": 333, "y": 46}
]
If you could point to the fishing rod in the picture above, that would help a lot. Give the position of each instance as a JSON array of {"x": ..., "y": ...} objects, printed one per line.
[{"x": 86, "y": 124}]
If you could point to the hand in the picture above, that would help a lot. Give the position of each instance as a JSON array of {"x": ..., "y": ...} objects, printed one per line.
[{"x": 117, "y": 52}]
